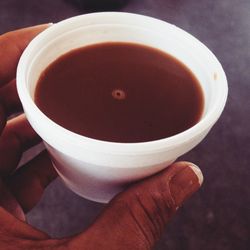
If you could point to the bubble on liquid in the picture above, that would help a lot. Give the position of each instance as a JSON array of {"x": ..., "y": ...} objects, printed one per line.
[{"x": 119, "y": 94}]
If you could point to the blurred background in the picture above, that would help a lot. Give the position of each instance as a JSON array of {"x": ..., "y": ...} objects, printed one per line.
[{"x": 218, "y": 217}]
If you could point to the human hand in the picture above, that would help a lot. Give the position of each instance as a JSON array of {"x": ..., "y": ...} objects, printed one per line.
[{"x": 134, "y": 219}]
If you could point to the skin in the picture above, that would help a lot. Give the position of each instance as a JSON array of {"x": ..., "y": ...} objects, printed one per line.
[{"x": 135, "y": 219}]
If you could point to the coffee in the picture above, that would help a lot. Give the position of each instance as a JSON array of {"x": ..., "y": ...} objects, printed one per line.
[{"x": 120, "y": 92}]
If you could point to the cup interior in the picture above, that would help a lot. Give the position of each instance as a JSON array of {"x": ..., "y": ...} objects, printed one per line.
[{"x": 88, "y": 35}]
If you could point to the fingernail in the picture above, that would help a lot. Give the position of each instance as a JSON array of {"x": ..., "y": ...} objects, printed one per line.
[
  {"x": 197, "y": 171},
  {"x": 185, "y": 182}
]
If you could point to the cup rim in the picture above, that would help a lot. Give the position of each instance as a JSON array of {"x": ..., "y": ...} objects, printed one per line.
[{"x": 72, "y": 138}]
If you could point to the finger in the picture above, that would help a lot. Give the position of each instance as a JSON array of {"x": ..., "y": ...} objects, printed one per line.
[
  {"x": 16, "y": 234},
  {"x": 12, "y": 45},
  {"x": 17, "y": 137},
  {"x": 14, "y": 231},
  {"x": 29, "y": 182},
  {"x": 136, "y": 218},
  {"x": 9, "y": 98},
  {"x": 9, "y": 203},
  {"x": 3, "y": 118}
]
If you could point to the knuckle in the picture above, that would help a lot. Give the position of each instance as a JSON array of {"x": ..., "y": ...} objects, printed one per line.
[
  {"x": 9, "y": 47},
  {"x": 12, "y": 138},
  {"x": 133, "y": 219},
  {"x": 5, "y": 41},
  {"x": 149, "y": 213}
]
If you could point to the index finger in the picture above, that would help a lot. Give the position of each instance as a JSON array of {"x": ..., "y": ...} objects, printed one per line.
[{"x": 12, "y": 45}]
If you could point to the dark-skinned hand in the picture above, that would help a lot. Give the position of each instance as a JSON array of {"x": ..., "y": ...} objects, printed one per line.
[{"x": 134, "y": 219}]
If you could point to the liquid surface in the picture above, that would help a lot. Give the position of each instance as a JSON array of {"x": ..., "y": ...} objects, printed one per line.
[{"x": 120, "y": 92}]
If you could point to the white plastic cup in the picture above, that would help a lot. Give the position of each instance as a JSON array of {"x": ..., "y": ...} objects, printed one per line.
[{"x": 94, "y": 169}]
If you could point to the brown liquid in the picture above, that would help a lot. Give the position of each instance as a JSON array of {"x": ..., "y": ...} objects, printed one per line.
[{"x": 120, "y": 92}]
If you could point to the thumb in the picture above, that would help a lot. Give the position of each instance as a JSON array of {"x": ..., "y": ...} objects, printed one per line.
[{"x": 135, "y": 219}]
